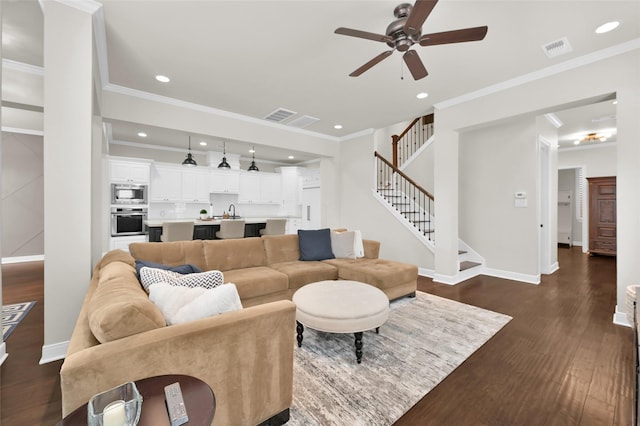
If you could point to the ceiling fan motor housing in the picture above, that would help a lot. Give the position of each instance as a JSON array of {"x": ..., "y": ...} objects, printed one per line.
[{"x": 401, "y": 40}]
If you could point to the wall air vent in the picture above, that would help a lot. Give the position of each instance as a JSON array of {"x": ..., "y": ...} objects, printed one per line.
[
  {"x": 303, "y": 121},
  {"x": 557, "y": 47},
  {"x": 279, "y": 115}
]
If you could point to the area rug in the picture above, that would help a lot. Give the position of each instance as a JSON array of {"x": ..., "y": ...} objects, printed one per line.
[
  {"x": 12, "y": 315},
  {"x": 424, "y": 340}
]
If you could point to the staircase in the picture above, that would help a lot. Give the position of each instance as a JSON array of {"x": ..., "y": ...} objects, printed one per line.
[{"x": 411, "y": 203}]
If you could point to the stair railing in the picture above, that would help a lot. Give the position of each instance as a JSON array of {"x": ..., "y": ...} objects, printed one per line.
[
  {"x": 411, "y": 200},
  {"x": 411, "y": 139}
]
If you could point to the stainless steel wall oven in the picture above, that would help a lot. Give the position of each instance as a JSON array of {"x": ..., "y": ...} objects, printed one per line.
[{"x": 128, "y": 221}]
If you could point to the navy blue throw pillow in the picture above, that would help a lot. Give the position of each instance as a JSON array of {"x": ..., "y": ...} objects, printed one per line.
[
  {"x": 315, "y": 244},
  {"x": 181, "y": 269}
]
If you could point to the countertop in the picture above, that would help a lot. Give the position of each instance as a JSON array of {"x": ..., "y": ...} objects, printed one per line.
[{"x": 158, "y": 222}]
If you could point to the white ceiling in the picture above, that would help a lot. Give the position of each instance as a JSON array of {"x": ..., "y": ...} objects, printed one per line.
[{"x": 252, "y": 57}]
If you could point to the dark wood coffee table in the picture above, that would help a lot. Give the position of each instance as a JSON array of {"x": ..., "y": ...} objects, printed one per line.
[{"x": 199, "y": 401}]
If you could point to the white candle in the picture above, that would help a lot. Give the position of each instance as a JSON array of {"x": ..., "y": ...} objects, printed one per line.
[{"x": 113, "y": 414}]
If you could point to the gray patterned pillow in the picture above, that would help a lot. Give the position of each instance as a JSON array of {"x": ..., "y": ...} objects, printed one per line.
[{"x": 209, "y": 279}]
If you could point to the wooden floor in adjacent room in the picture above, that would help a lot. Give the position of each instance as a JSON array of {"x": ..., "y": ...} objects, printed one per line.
[{"x": 560, "y": 361}]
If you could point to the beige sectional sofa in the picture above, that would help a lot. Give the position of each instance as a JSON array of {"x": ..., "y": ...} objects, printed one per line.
[{"x": 245, "y": 356}]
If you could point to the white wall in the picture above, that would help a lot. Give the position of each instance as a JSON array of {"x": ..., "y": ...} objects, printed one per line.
[
  {"x": 495, "y": 162},
  {"x": 360, "y": 210},
  {"x": 601, "y": 160}
]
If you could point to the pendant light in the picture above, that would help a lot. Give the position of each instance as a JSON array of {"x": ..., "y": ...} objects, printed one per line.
[
  {"x": 253, "y": 167},
  {"x": 223, "y": 164},
  {"x": 189, "y": 161}
]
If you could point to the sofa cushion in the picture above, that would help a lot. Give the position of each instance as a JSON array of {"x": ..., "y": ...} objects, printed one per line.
[
  {"x": 378, "y": 272},
  {"x": 301, "y": 273},
  {"x": 342, "y": 244},
  {"x": 183, "y": 304},
  {"x": 119, "y": 307},
  {"x": 209, "y": 279},
  {"x": 171, "y": 253},
  {"x": 230, "y": 254},
  {"x": 257, "y": 281},
  {"x": 315, "y": 244},
  {"x": 181, "y": 269},
  {"x": 281, "y": 248}
]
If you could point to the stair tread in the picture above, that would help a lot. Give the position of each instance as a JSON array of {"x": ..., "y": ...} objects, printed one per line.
[
  {"x": 462, "y": 251},
  {"x": 468, "y": 264}
]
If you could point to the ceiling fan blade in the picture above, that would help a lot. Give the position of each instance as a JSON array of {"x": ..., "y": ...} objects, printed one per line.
[
  {"x": 371, "y": 63},
  {"x": 415, "y": 65},
  {"x": 363, "y": 34},
  {"x": 421, "y": 10},
  {"x": 455, "y": 36}
]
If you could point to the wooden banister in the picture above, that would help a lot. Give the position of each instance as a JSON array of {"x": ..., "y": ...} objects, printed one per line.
[
  {"x": 411, "y": 139},
  {"x": 407, "y": 178}
]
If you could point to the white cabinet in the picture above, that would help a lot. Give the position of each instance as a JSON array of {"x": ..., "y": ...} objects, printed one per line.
[
  {"x": 166, "y": 184},
  {"x": 195, "y": 186},
  {"x": 260, "y": 188},
  {"x": 128, "y": 172},
  {"x": 122, "y": 243},
  {"x": 249, "y": 188},
  {"x": 291, "y": 179},
  {"x": 225, "y": 181},
  {"x": 293, "y": 225},
  {"x": 270, "y": 188}
]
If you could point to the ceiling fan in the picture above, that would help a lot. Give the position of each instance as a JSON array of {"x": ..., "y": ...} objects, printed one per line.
[{"x": 406, "y": 31}]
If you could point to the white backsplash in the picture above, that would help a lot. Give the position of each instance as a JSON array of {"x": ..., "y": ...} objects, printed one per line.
[{"x": 220, "y": 203}]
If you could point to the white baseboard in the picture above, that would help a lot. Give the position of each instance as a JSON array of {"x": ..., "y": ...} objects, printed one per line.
[
  {"x": 446, "y": 279},
  {"x": 3, "y": 352},
  {"x": 424, "y": 272},
  {"x": 620, "y": 318},
  {"x": 54, "y": 352},
  {"x": 577, "y": 243},
  {"x": 20, "y": 259},
  {"x": 553, "y": 268},
  {"x": 515, "y": 276}
]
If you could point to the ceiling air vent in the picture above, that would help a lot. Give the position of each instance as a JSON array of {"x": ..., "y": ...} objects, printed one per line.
[
  {"x": 304, "y": 121},
  {"x": 557, "y": 48},
  {"x": 279, "y": 115}
]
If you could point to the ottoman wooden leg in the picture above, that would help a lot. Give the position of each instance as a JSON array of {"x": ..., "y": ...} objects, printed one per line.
[
  {"x": 358, "y": 336},
  {"x": 300, "y": 330}
]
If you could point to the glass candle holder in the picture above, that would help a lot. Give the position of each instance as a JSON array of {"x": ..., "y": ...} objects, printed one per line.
[{"x": 119, "y": 406}]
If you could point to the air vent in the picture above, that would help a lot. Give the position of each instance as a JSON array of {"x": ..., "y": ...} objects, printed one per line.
[
  {"x": 304, "y": 121},
  {"x": 279, "y": 115},
  {"x": 557, "y": 48},
  {"x": 603, "y": 118}
]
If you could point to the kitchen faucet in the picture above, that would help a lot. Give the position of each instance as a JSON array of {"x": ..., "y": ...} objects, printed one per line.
[{"x": 233, "y": 215}]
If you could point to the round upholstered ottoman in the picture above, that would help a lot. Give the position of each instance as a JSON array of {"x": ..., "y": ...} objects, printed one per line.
[{"x": 340, "y": 307}]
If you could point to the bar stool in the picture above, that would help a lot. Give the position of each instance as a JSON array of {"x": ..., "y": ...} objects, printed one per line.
[{"x": 231, "y": 228}]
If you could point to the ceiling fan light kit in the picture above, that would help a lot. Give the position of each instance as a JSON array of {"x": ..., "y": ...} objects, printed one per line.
[{"x": 406, "y": 31}]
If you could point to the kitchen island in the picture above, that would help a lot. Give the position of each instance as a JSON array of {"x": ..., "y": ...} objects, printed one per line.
[{"x": 204, "y": 229}]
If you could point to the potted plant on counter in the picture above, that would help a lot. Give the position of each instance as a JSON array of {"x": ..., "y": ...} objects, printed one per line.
[{"x": 204, "y": 214}]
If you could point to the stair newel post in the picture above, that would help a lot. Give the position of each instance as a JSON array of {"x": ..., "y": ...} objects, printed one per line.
[{"x": 394, "y": 146}]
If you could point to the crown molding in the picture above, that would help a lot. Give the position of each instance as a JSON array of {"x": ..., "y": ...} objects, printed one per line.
[
  {"x": 155, "y": 147},
  {"x": 594, "y": 146},
  {"x": 22, "y": 131},
  {"x": 88, "y": 6},
  {"x": 581, "y": 61},
  {"x": 22, "y": 67},
  {"x": 100, "y": 34},
  {"x": 554, "y": 120}
]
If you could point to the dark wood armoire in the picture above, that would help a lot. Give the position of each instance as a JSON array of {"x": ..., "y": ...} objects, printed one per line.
[{"x": 602, "y": 215}]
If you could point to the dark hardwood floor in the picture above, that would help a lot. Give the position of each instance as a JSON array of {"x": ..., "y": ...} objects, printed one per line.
[{"x": 560, "y": 361}]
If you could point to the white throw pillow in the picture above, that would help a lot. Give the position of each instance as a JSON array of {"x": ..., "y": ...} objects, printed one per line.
[
  {"x": 358, "y": 246},
  {"x": 342, "y": 244},
  {"x": 184, "y": 304},
  {"x": 208, "y": 279}
]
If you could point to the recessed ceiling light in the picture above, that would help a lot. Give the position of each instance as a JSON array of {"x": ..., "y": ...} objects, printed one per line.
[
  {"x": 338, "y": 126},
  {"x": 422, "y": 95},
  {"x": 615, "y": 102},
  {"x": 163, "y": 78},
  {"x": 203, "y": 143},
  {"x": 576, "y": 142},
  {"x": 252, "y": 150},
  {"x": 609, "y": 26},
  {"x": 142, "y": 134},
  {"x": 291, "y": 157}
]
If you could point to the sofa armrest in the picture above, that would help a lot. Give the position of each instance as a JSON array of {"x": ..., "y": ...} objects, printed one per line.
[
  {"x": 243, "y": 355},
  {"x": 371, "y": 249}
]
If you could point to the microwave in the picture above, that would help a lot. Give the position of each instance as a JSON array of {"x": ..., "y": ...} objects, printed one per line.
[{"x": 128, "y": 194}]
